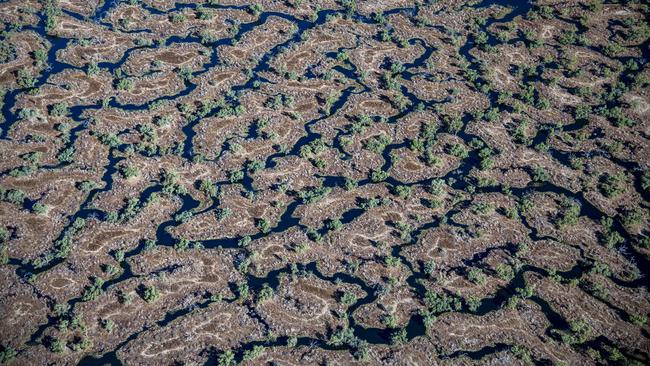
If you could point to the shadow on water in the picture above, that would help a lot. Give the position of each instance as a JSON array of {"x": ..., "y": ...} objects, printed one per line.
[{"x": 415, "y": 326}]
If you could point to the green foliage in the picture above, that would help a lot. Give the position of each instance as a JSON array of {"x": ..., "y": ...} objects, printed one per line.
[
  {"x": 254, "y": 166},
  {"x": 279, "y": 101},
  {"x": 459, "y": 151},
  {"x": 66, "y": 155},
  {"x": 92, "y": 69},
  {"x": 292, "y": 342},
  {"x": 182, "y": 244},
  {"x": 399, "y": 337},
  {"x": 453, "y": 124},
  {"x": 402, "y": 191},
  {"x": 378, "y": 143},
  {"x": 522, "y": 353},
  {"x": 119, "y": 255},
  {"x": 569, "y": 213},
  {"x": 109, "y": 139},
  {"x": 638, "y": 319},
  {"x": 129, "y": 171},
  {"x": 392, "y": 261},
  {"x": 59, "y": 110},
  {"x": 613, "y": 49},
  {"x": 334, "y": 224},
  {"x": 613, "y": 185},
  {"x": 15, "y": 196},
  {"x": 343, "y": 336},
  {"x": 207, "y": 186},
  {"x": 235, "y": 176},
  {"x": 177, "y": 18},
  {"x": 39, "y": 208},
  {"x": 256, "y": 9},
  {"x": 390, "y": 321},
  {"x": 460, "y": 201},
  {"x": 350, "y": 184},
  {"x": 579, "y": 332},
  {"x": 184, "y": 216},
  {"x": 441, "y": 303},
  {"x": 437, "y": 187},
  {"x": 378, "y": 175},
  {"x": 473, "y": 303},
  {"x": 227, "y": 358},
  {"x": 632, "y": 218},
  {"x": 521, "y": 136},
  {"x": 312, "y": 195},
  {"x": 482, "y": 208},
  {"x": 93, "y": 291},
  {"x": 7, "y": 354},
  {"x": 243, "y": 291},
  {"x": 264, "y": 294},
  {"x": 25, "y": 79},
  {"x": 360, "y": 124},
  {"x": 348, "y": 298},
  {"x": 170, "y": 185},
  {"x": 222, "y": 213},
  {"x": 185, "y": 73},
  {"x": 477, "y": 276},
  {"x": 32, "y": 157},
  {"x": 150, "y": 294},
  {"x": 125, "y": 84},
  {"x": 21, "y": 171},
  {"x": 505, "y": 272},
  {"x": 4, "y": 256},
  {"x": 405, "y": 230},
  {"x": 244, "y": 241},
  {"x": 263, "y": 225},
  {"x": 7, "y": 52},
  {"x": 539, "y": 174},
  {"x": 57, "y": 346},
  {"x": 254, "y": 353}
]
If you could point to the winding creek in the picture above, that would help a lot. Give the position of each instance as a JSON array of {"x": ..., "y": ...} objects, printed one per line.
[{"x": 289, "y": 219}]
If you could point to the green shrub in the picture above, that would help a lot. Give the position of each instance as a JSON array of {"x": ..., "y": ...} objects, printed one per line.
[{"x": 150, "y": 294}]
